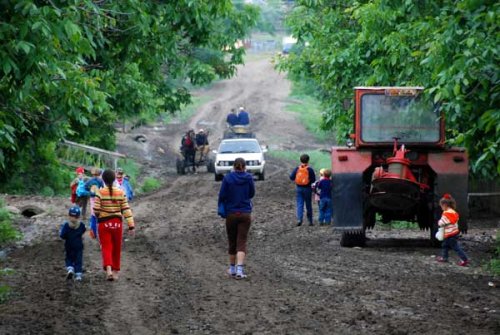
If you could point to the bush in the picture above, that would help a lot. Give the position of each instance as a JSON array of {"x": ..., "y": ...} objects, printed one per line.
[
  {"x": 150, "y": 184},
  {"x": 494, "y": 264},
  {"x": 4, "y": 289},
  {"x": 47, "y": 191},
  {"x": 4, "y": 293},
  {"x": 7, "y": 232}
]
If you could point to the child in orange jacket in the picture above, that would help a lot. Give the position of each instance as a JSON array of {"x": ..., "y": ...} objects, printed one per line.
[{"x": 449, "y": 220}]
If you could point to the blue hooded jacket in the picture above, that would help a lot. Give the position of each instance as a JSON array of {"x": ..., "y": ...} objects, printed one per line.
[
  {"x": 236, "y": 191},
  {"x": 243, "y": 118}
]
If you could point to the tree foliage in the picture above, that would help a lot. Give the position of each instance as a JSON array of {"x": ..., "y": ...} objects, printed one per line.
[
  {"x": 72, "y": 68},
  {"x": 449, "y": 47}
]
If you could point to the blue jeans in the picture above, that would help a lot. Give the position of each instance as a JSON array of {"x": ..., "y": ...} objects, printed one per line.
[
  {"x": 304, "y": 196},
  {"x": 325, "y": 211},
  {"x": 452, "y": 243},
  {"x": 74, "y": 258}
]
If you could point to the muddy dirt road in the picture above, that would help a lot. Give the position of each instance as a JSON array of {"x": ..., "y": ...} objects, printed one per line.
[{"x": 300, "y": 280}]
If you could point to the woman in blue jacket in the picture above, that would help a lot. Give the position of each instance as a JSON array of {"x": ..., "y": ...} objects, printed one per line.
[{"x": 235, "y": 205}]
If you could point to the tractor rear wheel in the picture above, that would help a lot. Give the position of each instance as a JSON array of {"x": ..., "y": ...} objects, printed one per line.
[{"x": 353, "y": 239}]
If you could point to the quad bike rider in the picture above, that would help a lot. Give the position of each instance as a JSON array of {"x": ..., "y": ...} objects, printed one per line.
[
  {"x": 195, "y": 152},
  {"x": 188, "y": 149},
  {"x": 238, "y": 125},
  {"x": 201, "y": 140}
]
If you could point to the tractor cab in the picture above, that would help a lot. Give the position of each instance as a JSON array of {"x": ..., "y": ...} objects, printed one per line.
[{"x": 398, "y": 166}]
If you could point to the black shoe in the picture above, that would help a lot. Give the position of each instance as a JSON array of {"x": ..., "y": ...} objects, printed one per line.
[
  {"x": 311, "y": 224},
  {"x": 299, "y": 223}
]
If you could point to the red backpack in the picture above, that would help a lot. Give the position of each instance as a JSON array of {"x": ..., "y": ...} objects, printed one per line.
[
  {"x": 302, "y": 176},
  {"x": 187, "y": 142}
]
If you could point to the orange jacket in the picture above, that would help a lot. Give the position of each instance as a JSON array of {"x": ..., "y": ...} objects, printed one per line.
[{"x": 449, "y": 220}]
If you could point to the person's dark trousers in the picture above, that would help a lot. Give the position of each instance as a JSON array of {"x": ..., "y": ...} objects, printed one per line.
[
  {"x": 189, "y": 158},
  {"x": 74, "y": 258},
  {"x": 452, "y": 243},
  {"x": 304, "y": 197},
  {"x": 82, "y": 202}
]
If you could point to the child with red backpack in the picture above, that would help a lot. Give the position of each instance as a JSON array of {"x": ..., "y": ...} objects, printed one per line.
[{"x": 303, "y": 176}]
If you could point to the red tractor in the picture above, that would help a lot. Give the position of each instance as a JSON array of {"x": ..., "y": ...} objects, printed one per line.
[{"x": 398, "y": 166}]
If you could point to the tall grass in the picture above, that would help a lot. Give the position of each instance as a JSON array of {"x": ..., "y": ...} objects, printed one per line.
[
  {"x": 494, "y": 264},
  {"x": 318, "y": 159},
  {"x": 5, "y": 290},
  {"x": 150, "y": 184},
  {"x": 7, "y": 232},
  {"x": 308, "y": 109}
]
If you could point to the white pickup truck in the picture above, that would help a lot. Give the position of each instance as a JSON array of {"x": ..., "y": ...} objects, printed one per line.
[{"x": 247, "y": 148}]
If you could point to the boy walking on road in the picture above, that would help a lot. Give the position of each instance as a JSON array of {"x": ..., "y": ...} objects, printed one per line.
[
  {"x": 303, "y": 176},
  {"x": 72, "y": 232}
]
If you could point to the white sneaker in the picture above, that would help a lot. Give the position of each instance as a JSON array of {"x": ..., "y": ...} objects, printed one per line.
[
  {"x": 240, "y": 272},
  {"x": 78, "y": 277}
]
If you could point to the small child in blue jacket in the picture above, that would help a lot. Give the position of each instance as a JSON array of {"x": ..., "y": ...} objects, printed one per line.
[
  {"x": 324, "y": 186},
  {"x": 72, "y": 232}
]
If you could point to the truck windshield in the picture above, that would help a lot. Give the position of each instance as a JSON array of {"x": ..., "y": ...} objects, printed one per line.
[{"x": 409, "y": 118}]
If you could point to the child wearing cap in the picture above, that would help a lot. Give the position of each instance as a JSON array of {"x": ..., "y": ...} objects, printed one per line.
[
  {"x": 74, "y": 183},
  {"x": 72, "y": 232},
  {"x": 324, "y": 187},
  {"x": 82, "y": 196}
]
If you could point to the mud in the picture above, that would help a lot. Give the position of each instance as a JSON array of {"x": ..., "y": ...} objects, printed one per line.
[{"x": 300, "y": 280}]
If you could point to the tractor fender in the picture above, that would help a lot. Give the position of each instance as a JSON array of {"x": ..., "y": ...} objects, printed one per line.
[{"x": 348, "y": 166}]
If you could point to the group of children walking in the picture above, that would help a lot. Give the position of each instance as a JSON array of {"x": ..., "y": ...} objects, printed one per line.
[
  {"x": 108, "y": 194},
  {"x": 307, "y": 186}
]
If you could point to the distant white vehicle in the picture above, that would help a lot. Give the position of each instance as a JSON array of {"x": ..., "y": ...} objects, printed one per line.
[
  {"x": 247, "y": 148},
  {"x": 288, "y": 42}
]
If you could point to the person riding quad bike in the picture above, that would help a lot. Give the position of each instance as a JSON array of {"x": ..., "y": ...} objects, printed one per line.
[
  {"x": 232, "y": 118},
  {"x": 243, "y": 117},
  {"x": 201, "y": 141},
  {"x": 188, "y": 149}
]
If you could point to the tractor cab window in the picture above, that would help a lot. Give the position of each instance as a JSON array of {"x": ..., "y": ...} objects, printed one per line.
[{"x": 409, "y": 118}]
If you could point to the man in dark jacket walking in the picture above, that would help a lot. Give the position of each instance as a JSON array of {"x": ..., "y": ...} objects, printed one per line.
[{"x": 235, "y": 196}]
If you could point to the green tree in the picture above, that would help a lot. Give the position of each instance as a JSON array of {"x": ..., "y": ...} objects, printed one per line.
[
  {"x": 449, "y": 47},
  {"x": 73, "y": 68}
]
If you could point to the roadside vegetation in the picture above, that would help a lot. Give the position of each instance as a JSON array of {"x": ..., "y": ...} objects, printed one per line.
[
  {"x": 149, "y": 184},
  {"x": 494, "y": 264},
  {"x": 5, "y": 291},
  {"x": 7, "y": 231},
  {"x": 450, "y": 48},
  {"x": 73, "y": 70},
  {"x": 308, "y": 107},
  {"x": 318, "y": 159}
]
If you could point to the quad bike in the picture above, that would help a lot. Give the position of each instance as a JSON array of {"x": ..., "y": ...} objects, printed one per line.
[
  {"x": 200, "y": 159},
  {"x": 238, "y": 132}
]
